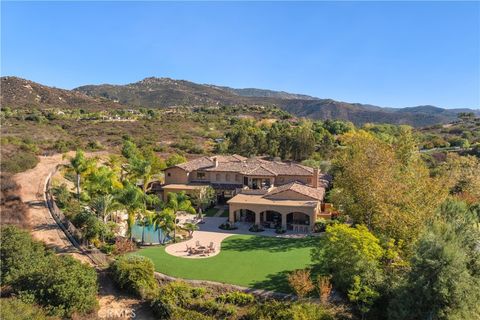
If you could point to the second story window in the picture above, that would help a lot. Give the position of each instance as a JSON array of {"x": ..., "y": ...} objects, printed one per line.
[
  {"x": 237, "y": 177},
  {"x": 201, "y": 175},
  {"x": 217, "y": 177},
  {"x": 227, "y": 177}
]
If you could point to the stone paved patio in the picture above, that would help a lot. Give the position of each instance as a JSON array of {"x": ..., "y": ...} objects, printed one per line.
[{"x": 209, "y": 232}]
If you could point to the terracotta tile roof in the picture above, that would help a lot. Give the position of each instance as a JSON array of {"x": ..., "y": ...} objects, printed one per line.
[
  {"x": 200, "y": 163},
  {"x": 246, "y": 166},
  {"x": 314, "y": 193}
]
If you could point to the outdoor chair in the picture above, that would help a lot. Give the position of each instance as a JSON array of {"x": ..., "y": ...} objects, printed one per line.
[{"x": 197, "y": 243}]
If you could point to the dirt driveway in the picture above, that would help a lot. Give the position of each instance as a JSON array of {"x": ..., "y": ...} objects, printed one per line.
[{"x": 44, "y": 228}]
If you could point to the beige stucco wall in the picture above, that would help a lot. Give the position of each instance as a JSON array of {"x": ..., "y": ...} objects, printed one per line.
[
  {"x": 176, "y": 175},
  {"x": 283, "y": 210},
  {"x": 221, "y": 177}
]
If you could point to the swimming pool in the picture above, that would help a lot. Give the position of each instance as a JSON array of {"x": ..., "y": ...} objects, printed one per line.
[{"x": 151, "y": 235}]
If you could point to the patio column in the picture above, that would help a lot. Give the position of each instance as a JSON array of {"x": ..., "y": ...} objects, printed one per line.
[
  {"x": 284, "y": 221},
  {"x": 312, "y": 217},
  {"x": 257, "y": 218},
  {"x": 231, "y": 216}
]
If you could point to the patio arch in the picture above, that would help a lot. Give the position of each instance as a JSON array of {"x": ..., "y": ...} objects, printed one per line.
[
  {"x": 244, "y": 215},
  {"x": 299, "y": 222},
  {"x": 272, "y": 218}
]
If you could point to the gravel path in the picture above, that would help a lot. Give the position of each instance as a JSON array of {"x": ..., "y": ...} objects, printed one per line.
[{"x": 44, "y": 228}]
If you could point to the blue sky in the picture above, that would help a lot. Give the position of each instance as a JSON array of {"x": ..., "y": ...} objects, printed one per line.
[{"x": 393, "y": 54}]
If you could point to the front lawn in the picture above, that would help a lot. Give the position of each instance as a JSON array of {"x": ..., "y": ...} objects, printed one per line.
[{"x": 245, "y": 260}]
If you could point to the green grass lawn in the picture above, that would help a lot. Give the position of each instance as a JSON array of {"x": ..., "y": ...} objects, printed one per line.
[
  {"x": 210, "y": 212},
  {"x": 250, "y": 261}
]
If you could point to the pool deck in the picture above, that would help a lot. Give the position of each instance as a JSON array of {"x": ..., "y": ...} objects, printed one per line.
[{"x": 209, "y": 232}]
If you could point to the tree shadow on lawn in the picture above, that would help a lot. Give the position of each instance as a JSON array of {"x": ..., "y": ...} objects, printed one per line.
[
  {"x": 277, "y": 282},
  {"x": 272, "y": 244}
]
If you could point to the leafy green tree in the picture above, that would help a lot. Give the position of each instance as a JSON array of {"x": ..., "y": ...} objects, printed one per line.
[
  {"x": 175, "y": 159},
  {"x": 390, "y": 192},
  {"x": 303, "y": 142},
  {"x": 445, "y": 275},
  {"x": 102, "y": 181},
  {"x": 202, "y": 198},
  {"x": 353, "y": 256},
  {"x": 362, "y": 295}
]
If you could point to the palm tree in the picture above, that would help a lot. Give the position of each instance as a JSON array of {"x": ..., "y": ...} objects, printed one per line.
[
  {"x": 104, "y": 205},
  {"x": 190, "y": 227},
  {"x": 179, "y": 202},
  {"x": 80, "y": 165},
  {"x": 132, "y": 198},
  {"x": 164, "y": 220}
]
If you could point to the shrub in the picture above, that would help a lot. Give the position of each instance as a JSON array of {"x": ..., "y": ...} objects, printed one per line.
[
  {"x": 135, "y": 274},
  {"x": 256, "y": 228},
  {"x": 181, "y": 314},
  {"x": 236, "y": 297},
  {"x": 16, "y": 309},
  {"x": 320, "y": 225},
  {"x": 29, "y": 269},
  {"x": 324, "y": 286},
  {"x": 280, "y": 230},
  {"x": 20, "y": 161},
  {"x": 227, "y": 226},
  {"x": 162, "y": 307},
  {"x": 107, "y": 248},
  {"x": 288, "y": 311},
  {"x": 213, "y": 308},
  {"x": 300, "y": 282},
  {"x": 72, "y": 286},
  {"x": 62, "y": 195},
  {"x": 123, "y": 245}
]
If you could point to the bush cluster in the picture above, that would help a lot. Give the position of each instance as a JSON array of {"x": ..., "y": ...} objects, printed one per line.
[
  {"x": 61, "y": 284},
  {"x": 135, "y": 274},
  {"x": 236, "y": 297}
]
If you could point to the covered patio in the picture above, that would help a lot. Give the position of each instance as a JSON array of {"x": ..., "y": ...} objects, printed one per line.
[{"x": 296, "y": 215}]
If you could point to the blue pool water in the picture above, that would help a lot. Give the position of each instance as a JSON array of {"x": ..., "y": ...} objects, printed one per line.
[{"x": 151, "y": 235}]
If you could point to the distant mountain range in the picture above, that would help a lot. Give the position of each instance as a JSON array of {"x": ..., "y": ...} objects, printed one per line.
[{"x": 165, "y": 92}]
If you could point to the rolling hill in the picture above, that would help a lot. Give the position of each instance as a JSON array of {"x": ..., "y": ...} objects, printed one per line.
[{"x": 165, "y": 92}]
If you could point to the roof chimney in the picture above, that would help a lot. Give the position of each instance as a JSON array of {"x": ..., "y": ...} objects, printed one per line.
[
  {"x": 215, "y": 159},
  {"x": 316, "y": 173}
]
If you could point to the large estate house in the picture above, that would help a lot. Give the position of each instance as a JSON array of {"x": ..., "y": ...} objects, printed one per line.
[{"x": 269, "y": 193}]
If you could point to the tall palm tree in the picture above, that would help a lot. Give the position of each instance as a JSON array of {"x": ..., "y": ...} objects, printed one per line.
[
  {"x": 132, "y": 198},
  {"x": 179, "y": 202},
  {"x": 104, "y": 205},
  {"x": 164, "y": 220},
  {"x": 80, "y": 165}
]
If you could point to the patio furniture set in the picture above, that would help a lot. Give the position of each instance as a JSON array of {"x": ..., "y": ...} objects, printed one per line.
[{"x": 199, "y": 249}]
